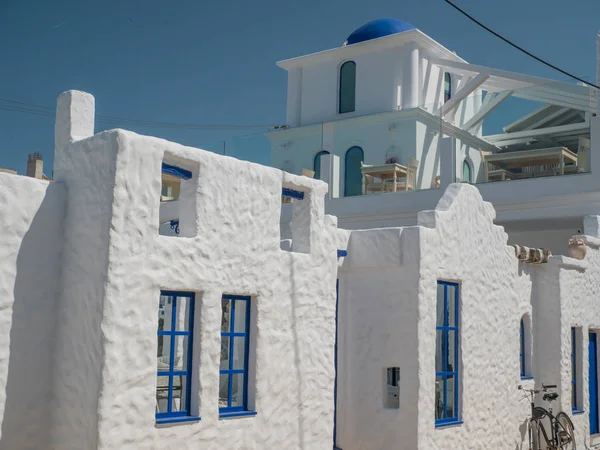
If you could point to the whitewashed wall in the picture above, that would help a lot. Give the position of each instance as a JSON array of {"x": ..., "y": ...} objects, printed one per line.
[
  {"x": 459, "y": 242},
  {"x": 116, "y": 263},
  {"x": 378, "y": 315},
  {"x": 31, "y": 222}
]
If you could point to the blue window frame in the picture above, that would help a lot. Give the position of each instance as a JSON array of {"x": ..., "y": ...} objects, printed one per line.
[
  {"x": 235, "y": 345},
  {"x": 522, "y": 348},
  {"x": 446, "y": 354},
  {"x": 317, "y": 163},
  {"x": 352, "y": 171},
  {"x": 174, "y": 356},
  {"x": 447, "y": 87},
  {"x": 574, "y": 394},
  {"x": 347, "y": 100}
]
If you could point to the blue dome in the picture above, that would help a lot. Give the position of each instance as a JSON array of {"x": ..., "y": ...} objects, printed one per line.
[{"x": 378, "y": 28}]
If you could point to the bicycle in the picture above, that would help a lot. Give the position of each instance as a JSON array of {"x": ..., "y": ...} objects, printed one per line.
[{"x": 561, "y": 428}]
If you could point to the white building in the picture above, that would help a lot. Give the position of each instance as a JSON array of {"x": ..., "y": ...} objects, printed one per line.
[{"x": 135, "y": 316}]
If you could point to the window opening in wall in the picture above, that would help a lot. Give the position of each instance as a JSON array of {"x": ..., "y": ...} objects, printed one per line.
[
  {"x": 525, "y": 348},
  {"x": 352, "y": 171},
  {"x": 467, "y": 172},
  {"x": 446, "y": 354},
  {"x": 392, "y": 391},
  {"x": 290, "y": 216},
  {"x": 447, "y": 87},
  {"x": 347, "y": 100},
  {"x": 174, "y": 178},
  {"x": 174, "y": 355},
  {"x": 317, "y": 163},
  {"x": 235, "y": 347},
  {"x": 576, "y": 400}
]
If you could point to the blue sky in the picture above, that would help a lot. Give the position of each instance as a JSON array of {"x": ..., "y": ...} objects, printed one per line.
[{"x": 213, "y": 62}]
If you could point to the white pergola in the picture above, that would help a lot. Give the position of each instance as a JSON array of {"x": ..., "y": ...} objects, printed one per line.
[{"x": 502, "y": 84}]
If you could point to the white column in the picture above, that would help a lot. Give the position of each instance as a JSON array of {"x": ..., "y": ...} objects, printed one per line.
[
  {"x": 410, "y": 77},
  {"x": 75, "y": 111},
  {"x": 447, "y": 161},
  {"x": 330, "y": 174},
  {"x": 294, "y": 98}
]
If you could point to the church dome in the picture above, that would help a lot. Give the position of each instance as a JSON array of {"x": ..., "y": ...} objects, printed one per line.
[{"x": 378, "y": 28}]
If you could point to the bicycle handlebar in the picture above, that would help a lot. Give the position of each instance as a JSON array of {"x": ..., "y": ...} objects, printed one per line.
[{"x": 543, "y": 388}]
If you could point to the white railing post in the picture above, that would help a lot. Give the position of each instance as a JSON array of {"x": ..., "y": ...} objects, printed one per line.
[{"x": 447, "y": 161}]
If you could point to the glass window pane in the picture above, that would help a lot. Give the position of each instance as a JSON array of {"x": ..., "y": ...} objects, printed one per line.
[
  {"x": 237, "y": 389},
  {"x": 450, "y": 393},
  {"x": 451, "y": 305},
  {"x": 162, "y": 394},
  {"x": 239, "y": 353},
  {"x": 224, "y": 353},
  {"x": 225, "y": 315},
  {"x": 347, "y": 87},
  {"x": 165, "y": 313},
  {"x": 439, "y": 397},
  {"x": 440, "y": 306},
  {"x": 223, "y": 390},
  {"x": 439, "y": 362},
  {"x": 240, "y": 316},
  {"x": 180, "y": 357},
  {"x": 182, "y": 321},
  {"x": 353, "y": 172},
  {"x": 179, "y": 393},
  {"x": 162, "y": 356},
  {"x": 451, "y": 351}
]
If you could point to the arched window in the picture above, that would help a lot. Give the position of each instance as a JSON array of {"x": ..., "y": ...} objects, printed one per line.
[
  {"x": 347, "y": 87},
  {"x": 467, "y": 172},
  {"x": 447, "y": 87},
  {"x": 352, "y": 172},
  {"x": 317, "y": 163},
  {"x": 525, "y": 347}
]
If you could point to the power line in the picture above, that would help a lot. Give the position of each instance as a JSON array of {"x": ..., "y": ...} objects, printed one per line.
[
  {"x": 520, "y": 48},
  {"x": 28, "y": 108}
]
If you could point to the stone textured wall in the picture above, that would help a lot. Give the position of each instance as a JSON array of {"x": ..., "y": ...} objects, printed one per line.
[{"x": 229, "y": 243}]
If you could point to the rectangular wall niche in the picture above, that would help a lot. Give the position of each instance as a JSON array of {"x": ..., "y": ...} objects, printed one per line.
[
  {"x": 299, "y": 221},
  {"x": 177, "y": 214},
  {"x": 392, "y": 388}
]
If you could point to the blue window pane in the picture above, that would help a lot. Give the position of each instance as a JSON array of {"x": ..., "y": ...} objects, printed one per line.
[
  {"x": 352, "y": 172},
  {"x": 162, "y": 394},
  {"x": 180, "y": 353},
  {"x": 451, "y": 308},
  {"x": 439, "y": 360},
  {"x": 237, "y": 389},
  {"x": 225, "y": 315},
  {"x": 240, "y": 316},
  {"x": 239, "y": 353},
  {"x": 225, "y": 348},
  {"x": 347, "y": 87},
  {"x": 439, "y": 397},
  {"x": 179, "y": 387},
  {"x": 223, "y": 390}
]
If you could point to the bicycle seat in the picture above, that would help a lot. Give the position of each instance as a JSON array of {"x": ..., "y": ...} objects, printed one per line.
[{"x": 550, "y": 397}]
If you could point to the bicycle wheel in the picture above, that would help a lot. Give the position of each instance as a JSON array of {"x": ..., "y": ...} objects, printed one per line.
[{"x": 566, "y": 434}]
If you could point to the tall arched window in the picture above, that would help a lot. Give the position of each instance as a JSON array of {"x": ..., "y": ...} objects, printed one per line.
[
  {"x": 352, "y": 172},
  {"x": 317, "y": 163},
  {"x": 447, "y": 87},
  {"x": 467, "y": 172},
  {"x": 347, "y": 87}
]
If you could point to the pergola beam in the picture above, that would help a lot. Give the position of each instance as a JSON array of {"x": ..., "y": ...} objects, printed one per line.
[
  {"x": 497, "y": 139},
  {"x": 487, "y": 108},
  {"x": 463, "y": 93}
]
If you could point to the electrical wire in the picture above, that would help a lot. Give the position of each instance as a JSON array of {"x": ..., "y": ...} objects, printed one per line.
[
  {"x": 28, "y": 108},
  {"x": 520, "y": 48}
]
